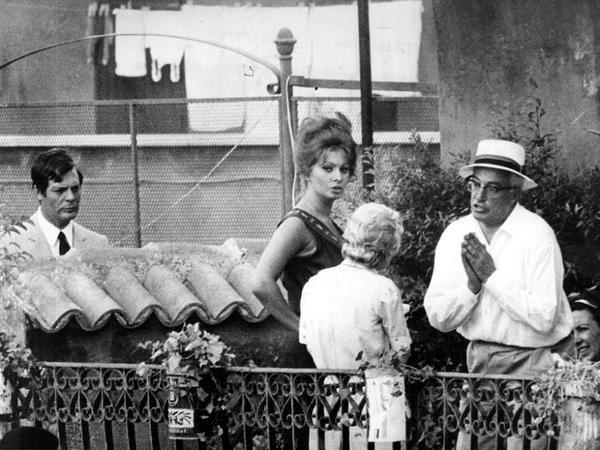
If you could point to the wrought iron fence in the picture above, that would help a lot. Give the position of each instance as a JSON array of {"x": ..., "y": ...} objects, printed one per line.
[{"x": 111, "y": 406}]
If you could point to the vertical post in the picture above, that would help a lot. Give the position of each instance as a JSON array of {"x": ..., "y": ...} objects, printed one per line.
[
  {"x": 366, "y": 92},
  {"x": 136, "y": 178},
  {"x": 285, "y": 46}
]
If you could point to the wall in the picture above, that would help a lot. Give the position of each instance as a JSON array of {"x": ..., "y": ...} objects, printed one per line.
[
  {"x": 491, "y": 53},
  {"x": 267, "y": 343},
  {"x": 55, "y": 75},
  {"x": 52, "y": 76}
]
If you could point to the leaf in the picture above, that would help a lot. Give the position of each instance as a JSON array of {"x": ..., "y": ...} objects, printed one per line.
[
  {"x": 142, "y": 369},
  {"x": 156, "y": 354},
  {"x": 196, "y": 343},
  {"x": 173, "y": 362}
]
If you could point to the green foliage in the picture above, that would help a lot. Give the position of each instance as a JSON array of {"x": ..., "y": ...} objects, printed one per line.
[
  {"x": 568, "y": 201},
  {"x": 190, "y": 351},
  {"x": 11, "y": 257},
  {"x": 17, "y": 360},
  {"x": 571, "y": 379},
  {"x": 194, "y": 359}
]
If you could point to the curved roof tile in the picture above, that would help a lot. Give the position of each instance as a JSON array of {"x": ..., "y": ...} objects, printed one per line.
[{"x": 169, "y": 281}]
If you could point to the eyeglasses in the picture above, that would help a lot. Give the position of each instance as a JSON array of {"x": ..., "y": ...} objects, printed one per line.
[{"x": 491, "y": 190}]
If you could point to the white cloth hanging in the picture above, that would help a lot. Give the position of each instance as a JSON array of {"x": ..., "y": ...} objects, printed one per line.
[
  {"x": 211, "y": 72},
  {"x": 130, "y": 51},
  {"x": 164, "y": 51},
  {"x": 333, "y": 55},
  {"x": 395, "y": 40}
]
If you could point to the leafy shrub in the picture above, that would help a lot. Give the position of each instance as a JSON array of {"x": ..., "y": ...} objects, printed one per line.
[{"x": 568, "y": 201}]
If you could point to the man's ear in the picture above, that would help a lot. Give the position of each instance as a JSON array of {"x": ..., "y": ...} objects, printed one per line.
[
  {"x": 40, "y": 196},
  {"x": 518, "y": 194}
]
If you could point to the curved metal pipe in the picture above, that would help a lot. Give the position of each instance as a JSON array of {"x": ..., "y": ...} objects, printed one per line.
[{"x": 244, "y": 53}]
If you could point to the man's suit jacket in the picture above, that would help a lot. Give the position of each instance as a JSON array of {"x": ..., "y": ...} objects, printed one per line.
[{"x": 33, "y": 241}]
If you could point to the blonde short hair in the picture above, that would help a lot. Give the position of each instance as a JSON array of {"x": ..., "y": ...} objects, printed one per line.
[{"x": 373, "y": 235}]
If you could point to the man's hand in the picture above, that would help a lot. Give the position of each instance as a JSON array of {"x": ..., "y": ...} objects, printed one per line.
[
  {"x": 473, "y": 282},
  {"x": 478, "y": 257}
]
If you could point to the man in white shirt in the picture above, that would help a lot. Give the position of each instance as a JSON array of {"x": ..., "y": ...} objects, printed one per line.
[
  {"x": 52, "y": 231},
  {"x": 498, "y": 272}
]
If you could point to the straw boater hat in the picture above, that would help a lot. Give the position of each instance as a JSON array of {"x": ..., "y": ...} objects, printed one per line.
[{"x": 500, "y": 155}]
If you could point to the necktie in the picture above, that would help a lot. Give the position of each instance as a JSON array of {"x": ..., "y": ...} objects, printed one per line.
[{"x": 63, "y": 244}]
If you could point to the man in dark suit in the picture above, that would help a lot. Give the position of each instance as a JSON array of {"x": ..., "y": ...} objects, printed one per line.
[{"x": 52, "y": 230}]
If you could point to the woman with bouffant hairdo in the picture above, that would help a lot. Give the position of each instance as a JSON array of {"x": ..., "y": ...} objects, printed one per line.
[
  {"x": 307, "y": 240},
  {"x": 351, "y": 313}
]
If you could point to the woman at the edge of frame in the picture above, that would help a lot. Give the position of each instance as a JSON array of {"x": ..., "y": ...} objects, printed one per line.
[{"x": 307, "y": 240}]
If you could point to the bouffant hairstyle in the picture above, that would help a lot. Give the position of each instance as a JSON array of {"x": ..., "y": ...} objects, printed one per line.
[
  {"x": 588, "y": 299},
  {"x": 52, "y": 165},
  {"x": 320, "y": 133},
  {"x": 373, "y": 235}
]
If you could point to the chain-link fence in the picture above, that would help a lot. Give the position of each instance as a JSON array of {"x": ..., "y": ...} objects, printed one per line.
[
  {"x": 202, "y": 186},
  {"x": 207, "y": 170}
]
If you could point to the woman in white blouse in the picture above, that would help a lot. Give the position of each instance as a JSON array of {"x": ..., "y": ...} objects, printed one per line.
[{"x": 351, "y": 313}]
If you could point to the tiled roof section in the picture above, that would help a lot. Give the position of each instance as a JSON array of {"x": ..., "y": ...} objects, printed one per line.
[{"x": 174, "y": 282}]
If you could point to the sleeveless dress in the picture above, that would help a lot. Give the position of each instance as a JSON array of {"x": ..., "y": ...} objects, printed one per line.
[{"x": 298, "y": 270}]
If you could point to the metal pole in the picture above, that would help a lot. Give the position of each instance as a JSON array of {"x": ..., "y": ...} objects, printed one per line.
[
  {"x": 366, "y": 92},
  {"x": 285, "y": 46},
  {"x": 136, "y": 179}
]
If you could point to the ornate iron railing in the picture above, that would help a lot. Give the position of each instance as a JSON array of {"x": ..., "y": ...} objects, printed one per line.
[{"x": 111, "y": 406}]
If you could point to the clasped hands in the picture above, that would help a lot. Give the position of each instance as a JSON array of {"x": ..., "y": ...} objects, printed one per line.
[{"x": 477, "y": 261}]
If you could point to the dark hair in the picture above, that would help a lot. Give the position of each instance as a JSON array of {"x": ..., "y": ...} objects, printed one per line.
[
  {"x": 319, "y": 133},
  {"x": 52, "y": 165},
  {"x": 588, "y": 299},
  {"x": 29, "y": 438}
]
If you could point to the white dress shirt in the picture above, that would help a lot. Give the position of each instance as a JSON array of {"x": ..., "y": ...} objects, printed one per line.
[
  {"x": 521, "y": 304},
  {"x": 50, "y": 232},
  {"x": 347, "y": 309}
]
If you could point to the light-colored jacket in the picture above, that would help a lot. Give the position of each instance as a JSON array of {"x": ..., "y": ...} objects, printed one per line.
[{"x": 33, "y": 241}]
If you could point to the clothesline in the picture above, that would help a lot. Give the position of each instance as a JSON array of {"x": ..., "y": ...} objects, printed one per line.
[{"x": 326, "y": 47}]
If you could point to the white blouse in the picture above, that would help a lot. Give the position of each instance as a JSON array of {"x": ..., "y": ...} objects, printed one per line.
[{"x": 349, "y": 309}]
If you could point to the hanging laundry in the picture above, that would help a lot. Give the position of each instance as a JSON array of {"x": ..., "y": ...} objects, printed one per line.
[
  {"x": 333, "y": 55},
  {"x": 214, "y": 73},
  {"x": 92, "y": 29},
  {"x": 130, "y": 51},
  {"x": 99, "y": 22},
  {"x": 395, "y": 40},
  {"x": 164, "y": 51},
  {"x": 109, "y": 28}
]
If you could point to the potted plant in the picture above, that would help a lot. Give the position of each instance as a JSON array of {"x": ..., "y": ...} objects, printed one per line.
[
  {"x": 193, "y": 360},
  {"x": 571, "y": 394}
]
